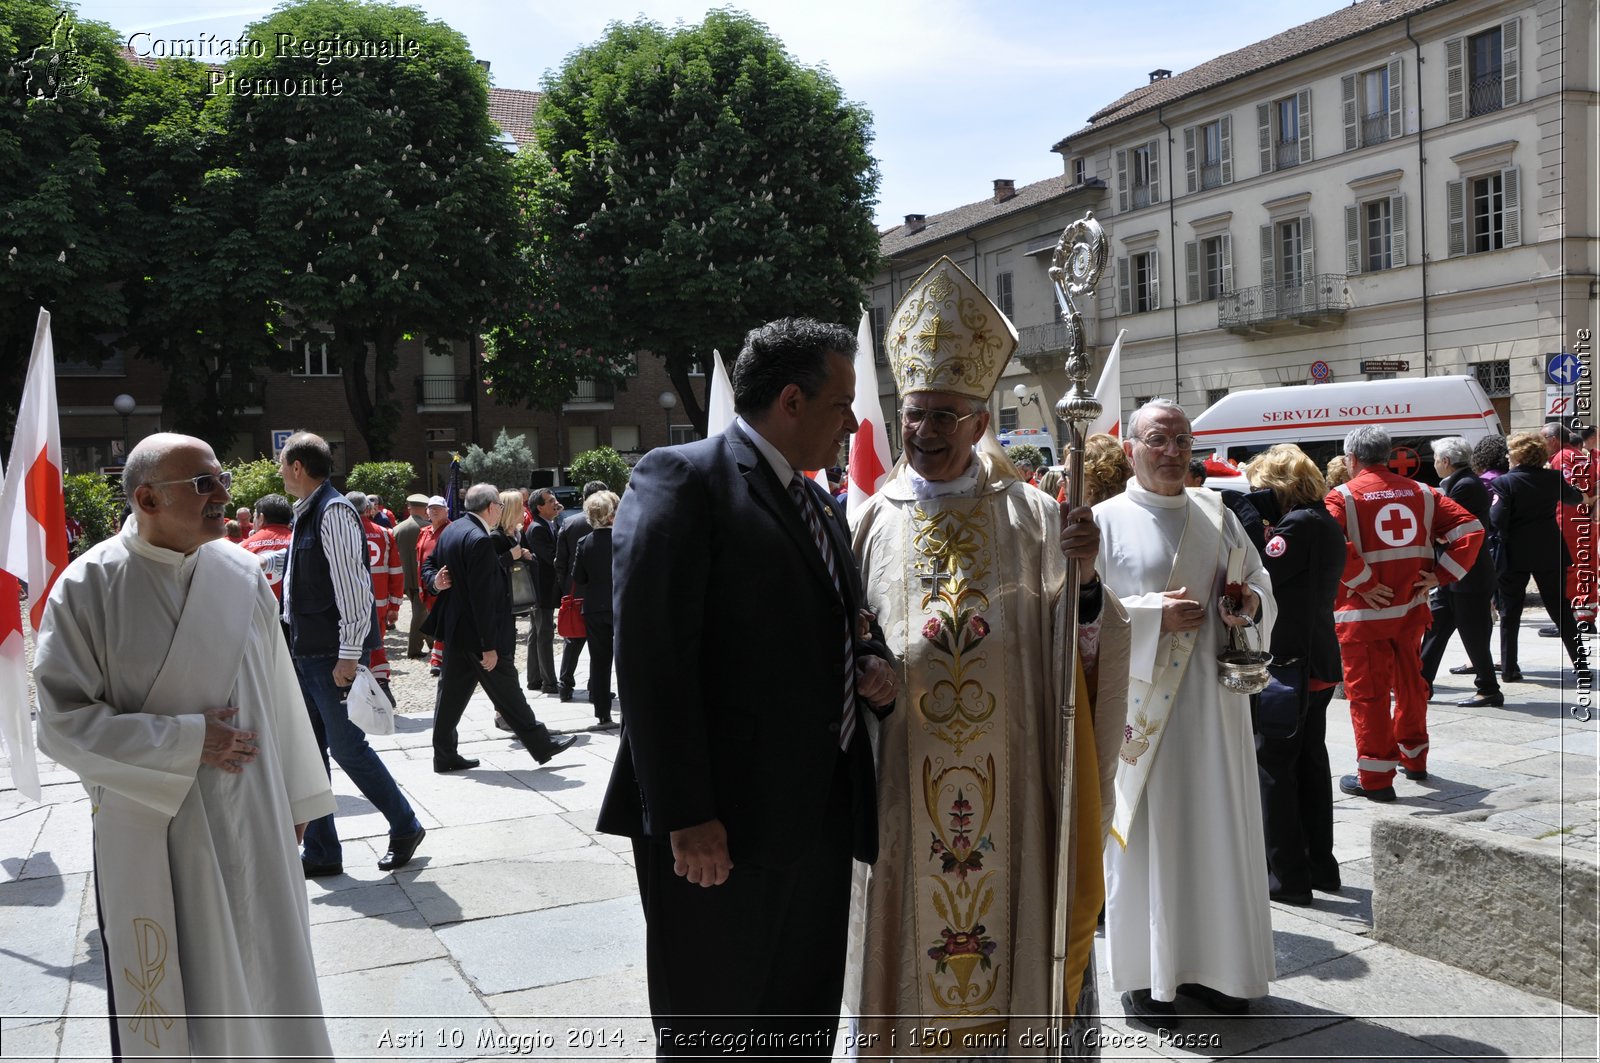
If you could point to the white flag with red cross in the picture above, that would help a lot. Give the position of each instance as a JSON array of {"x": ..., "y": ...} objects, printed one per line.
[
  {"x": 33, "y": 544},
  {"x": 869, "y": 447}
]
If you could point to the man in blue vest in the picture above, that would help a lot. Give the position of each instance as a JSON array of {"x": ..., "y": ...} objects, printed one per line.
[{"x": 332, "y": 618}]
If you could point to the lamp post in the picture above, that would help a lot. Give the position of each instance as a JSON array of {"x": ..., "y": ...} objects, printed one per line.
[
  {"x": 669, "y": 402},
  {"x": 124, "y": 404},
  {"x": 1024, "y": 396}
]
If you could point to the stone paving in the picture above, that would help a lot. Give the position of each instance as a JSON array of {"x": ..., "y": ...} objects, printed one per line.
[{"x": 516, "y": 930}]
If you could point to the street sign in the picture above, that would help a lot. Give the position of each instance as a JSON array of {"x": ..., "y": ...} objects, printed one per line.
[
  {"x": 280, "y": 436},
  {"x": 1563, "y": 369},
  {"x": 1320, "y": 373},
  {"x": 1386, "y": 365},
  {"x": 1558, "y": 401}
]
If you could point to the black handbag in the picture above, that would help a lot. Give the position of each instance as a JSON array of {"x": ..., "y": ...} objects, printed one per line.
[
  {"x": 522, "y": 591},
  {"x": 1281, "y": 707}
]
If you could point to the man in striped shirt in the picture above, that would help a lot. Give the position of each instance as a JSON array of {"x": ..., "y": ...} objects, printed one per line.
[{"x": 333, "y": 627}]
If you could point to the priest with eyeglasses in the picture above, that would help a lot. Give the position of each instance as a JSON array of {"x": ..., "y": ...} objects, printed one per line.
[{"x": 164, "y": 683}]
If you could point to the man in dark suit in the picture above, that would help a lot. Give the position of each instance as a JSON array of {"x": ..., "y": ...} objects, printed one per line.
[
  {"x": 539, "y": 539},
  {"x": 473, "y": 619},
  {"x": 1464, "y": 605},
  {"x": 745, "y": 778},
  {"x": 572, "y": 529}
]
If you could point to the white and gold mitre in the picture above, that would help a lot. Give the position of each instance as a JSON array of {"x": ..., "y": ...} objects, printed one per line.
[{"x": 947, "y": 336}]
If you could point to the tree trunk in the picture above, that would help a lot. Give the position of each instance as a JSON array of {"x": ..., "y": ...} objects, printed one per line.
[
  {"x": 684, "y": 386},
  {"x": 353, "y": 359}
]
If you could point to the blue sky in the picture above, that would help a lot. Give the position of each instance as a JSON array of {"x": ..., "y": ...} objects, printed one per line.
[{"x": 961, "y": 92}]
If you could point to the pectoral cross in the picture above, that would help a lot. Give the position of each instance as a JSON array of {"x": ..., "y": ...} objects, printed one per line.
[{"x": 935, "y": 581}]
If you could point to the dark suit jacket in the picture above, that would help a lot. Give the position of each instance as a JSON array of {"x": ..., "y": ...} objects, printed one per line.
[
  {"x": 728, "y": 656},
  {"x": 572, "y": 529},
  {"x": 474, "y": 614},
  {"x": 1525, "y": 517},
  {"x": 1465, "y": 489},
  {"x": 1304, "y": 556},
  {"x": 591, "y": 574},
  {"x": 539, "y": 540}
]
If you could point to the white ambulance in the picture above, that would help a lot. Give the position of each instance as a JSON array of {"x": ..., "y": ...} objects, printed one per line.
[{"x": 1316, "y": 417}]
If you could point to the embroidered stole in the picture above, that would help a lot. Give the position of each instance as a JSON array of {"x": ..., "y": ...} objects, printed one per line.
[
  {"x": 1150, "y": 704},
  {"x": 132, "y": 861},
  {"x": 957, "y": 762}
]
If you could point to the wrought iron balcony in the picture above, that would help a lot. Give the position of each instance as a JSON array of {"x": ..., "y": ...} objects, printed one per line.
[
  {"x": 1375, "y": 128},
  {"x": 1141, "y": 196},
  {"x": 1211, "y": 175},
  {"x": 1321, "y": 301},
  {"x": 590, "y": 392},
  {"x": 444, "y": 390},
  {"x": 1288, "y": 153},
  {"x": 1485, "y": 94}
]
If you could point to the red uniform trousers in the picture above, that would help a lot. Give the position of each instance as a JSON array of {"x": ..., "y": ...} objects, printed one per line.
[{"x": 1372, "y": 671}]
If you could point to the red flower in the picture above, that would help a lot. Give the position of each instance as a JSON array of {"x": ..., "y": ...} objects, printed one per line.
[
  {"x": 933, "y": 629},
  {"x": 979, "y": 626}
]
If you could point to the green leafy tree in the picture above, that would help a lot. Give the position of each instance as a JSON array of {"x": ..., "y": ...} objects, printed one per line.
[
  {"x": 203, "y": 305},
  {"x": 690, "y": 184},
  {"x": 93, "y": 503},
  {"x": 252, "y": 479},
  {"x": 66, "y": 228},
  {"x": 387, "y": 200},
  {"x": 506, "y": 464},
  {"x": 601, "y": 463},
  {"x": 604, "y": 465},
  {"x": 389, "y": 480}
]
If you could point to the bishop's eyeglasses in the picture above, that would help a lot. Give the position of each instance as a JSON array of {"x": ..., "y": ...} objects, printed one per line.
[{"x": 941, "y": 421}]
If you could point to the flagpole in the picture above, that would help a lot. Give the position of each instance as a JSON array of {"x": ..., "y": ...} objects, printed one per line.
[{"x": 1079, "y": 259}]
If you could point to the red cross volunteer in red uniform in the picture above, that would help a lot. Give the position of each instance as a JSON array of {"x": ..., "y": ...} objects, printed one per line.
[{"x": 1391, "y": 524}]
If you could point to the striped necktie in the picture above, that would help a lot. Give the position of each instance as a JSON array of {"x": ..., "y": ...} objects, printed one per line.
[{"x": 819, "y": 534}]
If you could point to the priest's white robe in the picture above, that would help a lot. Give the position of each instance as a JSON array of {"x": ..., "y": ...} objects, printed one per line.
[
  {"x": 951, "y": 927},
  {"x": 198, "y": 876},
  {"x": 1186, "y": 898}
]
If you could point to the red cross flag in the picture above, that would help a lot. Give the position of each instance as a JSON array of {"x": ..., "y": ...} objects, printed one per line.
[
  {"x": 869, "y": 447},
  {"x": 33, "y": 542}
]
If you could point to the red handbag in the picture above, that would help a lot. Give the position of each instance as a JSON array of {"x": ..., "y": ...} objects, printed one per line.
[{"x": 569, "y": 619}]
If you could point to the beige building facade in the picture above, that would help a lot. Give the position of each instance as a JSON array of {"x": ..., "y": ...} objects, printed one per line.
[{"x": 1404, "y": 188}]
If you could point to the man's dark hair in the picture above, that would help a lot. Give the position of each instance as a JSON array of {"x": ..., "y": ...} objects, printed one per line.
[
  {"x": 540, "y": 496},
  {"x": 594, "y": 486},
  {"x": 1197, "y": 467},
  {"x": 1490, "y": 453},
  {"x": 791, "y": 350},
  {"x": 311, "y": 451},
  {"x": 274, "y": 509}
]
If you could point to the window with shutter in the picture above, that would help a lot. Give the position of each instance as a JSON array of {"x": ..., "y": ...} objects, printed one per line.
[
  {"x": 1485, "y": 72},
  {"x": 1190, "y": 167},
  {"x": 1153, "y": 166},
  {"x": 1225, "y": 148},
  {"x": 1455, "y": 80},
  {"x": 1397, "y": 230},
  {"x": 1349, "y": 112},
  {"x": 1510, "y": 62},
  {"x": 1124, "y": 290},
  {"x": 1396, "y": 85},
  {"x": 1191, "y": 269},
  {"x": 1455, "y": 218},
  {"x": 1122, "y": 182}
]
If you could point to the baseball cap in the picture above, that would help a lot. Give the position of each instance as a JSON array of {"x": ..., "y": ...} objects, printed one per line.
[
  {"x": 420, "y": 500},
  {"x": 438, "y": 500}
]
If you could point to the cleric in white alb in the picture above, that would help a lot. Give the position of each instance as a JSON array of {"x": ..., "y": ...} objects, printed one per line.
[{"x": 165, "y": 684}]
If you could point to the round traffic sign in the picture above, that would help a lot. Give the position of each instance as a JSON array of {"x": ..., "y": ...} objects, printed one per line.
[{"x": 1319, "y": 370}]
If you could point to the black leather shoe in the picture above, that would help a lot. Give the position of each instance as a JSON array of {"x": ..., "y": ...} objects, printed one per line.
[
  {"x": 1299, "y": 900},
  {"x": 566, "y": 694},
  {"x": 500, "y": 723},
  {"x": 1215, "y": 999},
  {"x": 1549, "y": 631},
  {"x": 1416, "y": 775},
  {"x": 556, "y": 745},
  {"x": 401, "y": 850},
  {"x": 1351, "y": 784},
  {"x": 1463, "y": 669},
  {"x": 1142, "y": 1008},
  {"x": 550, "y": 690},
  {"x": 1479, "y": 701},
  {"x": 316, "y": 870},
  {"x": 1326, "y": 885},
  {"x": 1512, "y": 674},
  {"x": 445, "y": 767}
]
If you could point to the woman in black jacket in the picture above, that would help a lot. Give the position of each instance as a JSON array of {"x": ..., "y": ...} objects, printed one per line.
[
  {"x": 1531, "y": 544},
  {"x": 591, "y": 577},
  {"x": 1304, "y": 554},
  {"x": 1463, "y": 606}
]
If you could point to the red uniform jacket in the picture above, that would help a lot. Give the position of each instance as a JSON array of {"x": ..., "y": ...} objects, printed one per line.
[
  {"x": 1391, "y": 524},
  {"x": 388, "y": 578},
  {"x": 270, "y": 544}
]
